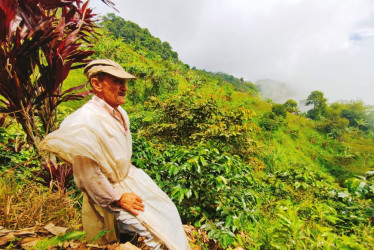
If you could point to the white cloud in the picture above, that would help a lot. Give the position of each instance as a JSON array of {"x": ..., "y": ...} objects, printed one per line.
[{"x": 317, "y": 45}]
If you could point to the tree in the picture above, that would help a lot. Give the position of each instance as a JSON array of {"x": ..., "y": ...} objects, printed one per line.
[
  {"x": 334, "y": 125},
  {"x": 291, "y": 106},
  {"x": 40, "y": 41},
  {"x": 354, "y": 111},
  {"x": 279, "y": 110},
  {"x": 318, "y": 101},
  {"x": 361, "y": 123},
  {"x": 358, "y": 114}
]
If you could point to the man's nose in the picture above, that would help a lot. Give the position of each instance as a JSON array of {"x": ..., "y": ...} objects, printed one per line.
[{"x": 123, "y": 86}]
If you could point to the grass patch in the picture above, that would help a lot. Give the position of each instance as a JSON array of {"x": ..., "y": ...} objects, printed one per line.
[{"x": 28, "y": 204}]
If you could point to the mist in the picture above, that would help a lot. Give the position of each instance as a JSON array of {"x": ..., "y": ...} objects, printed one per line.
[{"x": 313, "y": 45}]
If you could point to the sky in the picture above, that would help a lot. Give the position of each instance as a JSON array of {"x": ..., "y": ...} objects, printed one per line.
[{"x": 305, "y": 45}]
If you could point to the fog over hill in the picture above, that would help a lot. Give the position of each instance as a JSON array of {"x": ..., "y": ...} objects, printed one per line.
[
  {"x": 320, "y": 45},
  {"x": 280, "y": 92}
]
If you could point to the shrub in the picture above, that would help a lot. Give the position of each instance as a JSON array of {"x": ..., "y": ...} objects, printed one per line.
[
  {"x": 279, "y": 110},
  {"x": 334, "y": 125},
  {"x": 208, "y": 186},
  {"x": 188, "y": 119},
  {"x": 291, "y": 106},
  {"x": 36, "y": 56},
  {"x": 270, "y": 121}
]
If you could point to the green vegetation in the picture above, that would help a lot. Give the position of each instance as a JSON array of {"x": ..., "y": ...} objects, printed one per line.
[
  {"x": 134, "y": 35},
  {"x": 239, "y": 84},
  {"x": 242, "y": 171},
  {"x": 317, "y": 99},
  {"x": 291, "y": 106}
]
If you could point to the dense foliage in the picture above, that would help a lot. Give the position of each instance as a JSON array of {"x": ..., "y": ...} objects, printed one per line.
[
  {"x": 295, "y": 207},
  {"x": 189, "y": 119},
  {"x": 133, "y": 34},
  {"x": 357, "y": 113},
  {"x": 246, "y": 172}
]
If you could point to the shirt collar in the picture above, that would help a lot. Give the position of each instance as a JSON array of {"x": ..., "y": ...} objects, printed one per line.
[
  {"x": 103, "y": 104},
  {"x": 112, "y": 111}
]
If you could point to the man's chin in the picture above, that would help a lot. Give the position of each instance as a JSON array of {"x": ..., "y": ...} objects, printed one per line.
[{"x": 121, "y": 100}]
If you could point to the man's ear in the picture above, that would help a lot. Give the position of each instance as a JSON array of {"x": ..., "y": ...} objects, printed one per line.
[{"x": 96, "y": 85}]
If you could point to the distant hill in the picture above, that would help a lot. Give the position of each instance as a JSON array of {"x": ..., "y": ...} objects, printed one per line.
[
  {"x": 142, "y": 39},
  {"x": 136, "y": 35},
  {"x": 239, "y": 84}
]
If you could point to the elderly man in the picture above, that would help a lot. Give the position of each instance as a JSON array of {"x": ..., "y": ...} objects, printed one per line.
[{"x": 96, "y": 139}]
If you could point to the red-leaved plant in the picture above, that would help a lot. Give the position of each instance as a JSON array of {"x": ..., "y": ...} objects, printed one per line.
[
  {"x": 40, "y": 42},
  {"x": 60, "y": 173}
]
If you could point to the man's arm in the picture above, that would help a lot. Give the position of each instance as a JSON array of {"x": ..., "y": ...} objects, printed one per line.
[{"x": 90, "y": 179}]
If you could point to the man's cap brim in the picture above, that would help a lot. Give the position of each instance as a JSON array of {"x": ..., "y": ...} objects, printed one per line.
[
  {"x": 106, "y": 66},
  {"x": 119, "y": 73}
]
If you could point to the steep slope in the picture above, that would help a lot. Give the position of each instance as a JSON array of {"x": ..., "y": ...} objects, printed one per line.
[{"x": 240, "y": 168}]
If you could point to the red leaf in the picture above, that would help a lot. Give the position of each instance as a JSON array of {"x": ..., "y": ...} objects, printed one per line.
[
  {"x": 74, "y": 89},
  {"x": 19, "y": 147},
  {"x": 7, "y": 14},
  {"x": 84, "y": 93},
  {"x": 70, "y": 15},
  {"x": 53, "y": 4},
  {"x": 2, "y": 120},
  {"x": 110, "y": 4}
]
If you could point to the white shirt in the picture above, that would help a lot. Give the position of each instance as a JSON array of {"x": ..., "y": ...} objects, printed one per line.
[
  {"x": 88, "y": 176},
  {"x": 90, "y": 179}
]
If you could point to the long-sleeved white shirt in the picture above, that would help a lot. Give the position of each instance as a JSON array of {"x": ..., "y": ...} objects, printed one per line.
[
  {"x": 90, "y": 179},
  {"x": 87, "y": 173}
]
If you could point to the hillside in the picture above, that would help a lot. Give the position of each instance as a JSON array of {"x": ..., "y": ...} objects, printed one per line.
[
  {"x": 242, "y": 171},
  {"x": 190, "y": 125}
]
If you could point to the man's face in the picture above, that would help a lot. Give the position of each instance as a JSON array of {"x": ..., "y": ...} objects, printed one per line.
[{"x": 112, "y": 90}]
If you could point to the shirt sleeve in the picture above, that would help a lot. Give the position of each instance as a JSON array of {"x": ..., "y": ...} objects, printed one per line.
[{"x": 89, "y": 178}]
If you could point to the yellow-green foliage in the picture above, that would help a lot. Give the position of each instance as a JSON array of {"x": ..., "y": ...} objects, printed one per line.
[
  {"x": 360, "y": 151},
  {"x": 293, "y": 197},
  {"x": 297, "y": 140}
]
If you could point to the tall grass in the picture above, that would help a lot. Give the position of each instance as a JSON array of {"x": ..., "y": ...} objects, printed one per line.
[{"x": 29, "y": 204}]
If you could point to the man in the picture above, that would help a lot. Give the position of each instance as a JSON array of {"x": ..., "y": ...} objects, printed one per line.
[{"x": 97, "y": 141}]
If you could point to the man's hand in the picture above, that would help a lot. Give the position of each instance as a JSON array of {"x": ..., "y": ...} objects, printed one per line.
[{"x": 131, "y": 202}]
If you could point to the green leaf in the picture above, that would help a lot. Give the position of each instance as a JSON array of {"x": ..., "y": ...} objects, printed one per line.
[
  {"x": 202, "y": 160},
  {"x": 221, "y": 179},
  {"x": 332, "y": 219},
  {"x": 173, "y": 170},
  {"x": 101, "y": 234},
  {"x": 73, "y": 235},
  {"x": 188, "y": 193},
  {"x": 215, "y": 151}
]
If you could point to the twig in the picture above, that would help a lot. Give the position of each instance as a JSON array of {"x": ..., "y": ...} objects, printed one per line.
[
  {"x": 18, "y": 165},
  {"x": 13, "y": 112}
]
